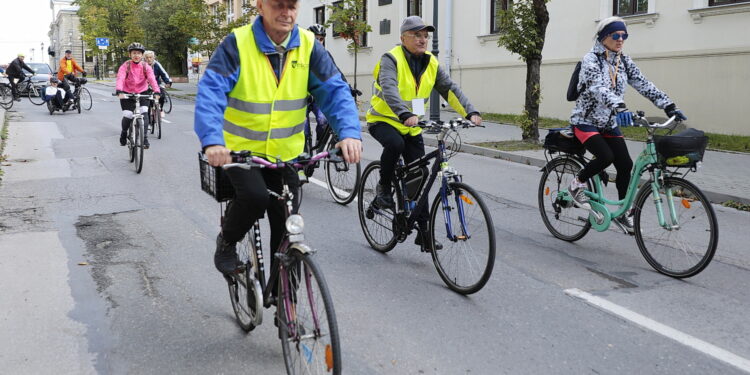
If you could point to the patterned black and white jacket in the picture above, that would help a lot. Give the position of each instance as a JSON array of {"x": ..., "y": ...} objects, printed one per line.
[{"x": 595, "y": 106}]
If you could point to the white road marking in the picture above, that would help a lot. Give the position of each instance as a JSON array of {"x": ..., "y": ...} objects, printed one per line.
[
  {"x": 325, "y": 186},
  {"x": 662, "y": 329},
  {"x": 167, "y": 121}
]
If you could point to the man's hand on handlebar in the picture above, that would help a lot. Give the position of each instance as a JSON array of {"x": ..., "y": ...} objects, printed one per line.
[
  {"x": 412, "y": 121},
  {"x": 476, "y": 120},
  {"x": 122, "y": 96},
  {"x": 351, "y": 149},
  {"x": 218, "y": 155}
]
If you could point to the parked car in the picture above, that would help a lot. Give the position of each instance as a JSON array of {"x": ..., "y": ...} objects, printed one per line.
[{"x": 43, "y": 73}]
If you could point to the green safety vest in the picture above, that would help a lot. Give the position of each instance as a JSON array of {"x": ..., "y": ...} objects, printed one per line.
[
  {"x": 265, "y": 114},
  {"x": 407, "y": 87}
]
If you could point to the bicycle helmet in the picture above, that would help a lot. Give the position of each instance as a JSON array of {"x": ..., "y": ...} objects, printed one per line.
[
  {"x": 317, "y": 29},
  {"x": 54, "y": 80},
  {"x": 135, "y": 46}
]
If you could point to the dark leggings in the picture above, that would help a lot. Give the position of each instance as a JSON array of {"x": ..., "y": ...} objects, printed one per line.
[
  {"x": 608, "y": 150},
  {"x": 129, "y": 105}
]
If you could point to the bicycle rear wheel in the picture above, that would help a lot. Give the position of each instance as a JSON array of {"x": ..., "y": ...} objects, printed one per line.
[
  {"x": 307, "y": 322},
  {"x": 467, "y": 258},
  {"x": 342, "y": 178},
  {"x": 244, "y": 288},
  {"x": 138, "y": 148},
  {"x": 167, "y": 102},
  {"x": 562, "y": 219},
  {"x": 377, "y": 224},
  {"x": 157, "y": 120},
  {"x": 686, "y": 247},
  {"x": 86, "y": 102},
  {"x": 35, "y": 96},
  {"x": 6, "y": 97}
]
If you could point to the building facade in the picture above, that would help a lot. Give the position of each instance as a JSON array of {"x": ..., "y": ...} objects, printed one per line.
[
  {"x": 691, "y": 49},
  {"x": 65, "y": 34}
]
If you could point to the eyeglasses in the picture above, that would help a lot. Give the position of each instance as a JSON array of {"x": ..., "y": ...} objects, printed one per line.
[
  {"x": 616, "y": 36},
  {"x": 419, "y": 36}
]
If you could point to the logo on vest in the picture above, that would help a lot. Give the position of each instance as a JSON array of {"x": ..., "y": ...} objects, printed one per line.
[{"x": 298, "y": 64}]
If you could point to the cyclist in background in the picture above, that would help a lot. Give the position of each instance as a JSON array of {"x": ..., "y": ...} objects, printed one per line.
[
  {"x": 55, "y": 93},
  {"x": 134, "y": 77},
  {"x": 600, "y": 109},
  {"x": 68, "y": 69},
  {"x": 397, "y": 105},
  {"x": 15, "y": 72},
  {"x": 160, "y": 73}
]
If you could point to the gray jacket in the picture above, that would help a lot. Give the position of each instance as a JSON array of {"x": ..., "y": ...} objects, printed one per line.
[
  {"x": 597, "y": 102},
  {"x": 388, "y": 80}
]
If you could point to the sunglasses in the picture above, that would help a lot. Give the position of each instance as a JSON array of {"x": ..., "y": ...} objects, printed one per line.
[{"x": 616, "y": 36}]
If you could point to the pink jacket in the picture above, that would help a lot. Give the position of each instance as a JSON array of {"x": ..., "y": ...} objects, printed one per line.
[{"x": 138, "y": 79}]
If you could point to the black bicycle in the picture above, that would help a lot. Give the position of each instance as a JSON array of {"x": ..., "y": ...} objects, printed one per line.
[
  {"x": 304, "y": 308},
  {"x": 6, "y": 95},
  {"x": 82, "y": 95},
  {"x": 465, "y": 263},
  {"x": 31, "y": 90},
  {"x": 154, "y": 115},
  {"x": 167, "y": 100},
  {"x": 342, "y": 178}
]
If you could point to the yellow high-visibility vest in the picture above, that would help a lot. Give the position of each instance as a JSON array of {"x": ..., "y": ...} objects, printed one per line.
[
  {"x": 408, "y": 88},
  {"x": 264, "y": 114}
]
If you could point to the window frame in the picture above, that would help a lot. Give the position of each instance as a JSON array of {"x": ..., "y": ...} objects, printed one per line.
[
  {"x": 339, "y": 4},
  {"x": 319, "y": 15},
  {"x": 229, "y": 4},
  {"x": 418, "y": 6},
  {"x": 633, "y": 11},
  {"x": 494, "y": 29},
  {"x": 712, "y": 3}
]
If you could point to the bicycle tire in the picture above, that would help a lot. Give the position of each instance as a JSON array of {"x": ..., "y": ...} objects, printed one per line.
[
  {"x": 339, "y": 178},
  {"x": 377, "y": 224},
  {"x": 157, "y": 123},
  {"x": 139, "y": 136},
  {"x": 35, "y": 97},
  {"x": 694, "y": 212},
  {"x": 245, "y": 291},
  {"x": 78, "y": 104},
  {"x": 6, "y": 97},
  {"x": 151, "y": 119},
  {"x": 566, "y": 223},
  {"x": 167, "y": 102},
  {"x": 131, "y": 141},
  {"x": 86, "y": 99},
  {"x": 50, "y": 107},
  {"x": 456, "y": 254},
  {"x": 307, "y": 347}
]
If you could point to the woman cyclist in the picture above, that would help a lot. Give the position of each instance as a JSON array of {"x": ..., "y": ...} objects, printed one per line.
[
  {"x": 134, "y": 76},
  {"x": 600, "y": 109},
  {"x": 160, "y": 73}
]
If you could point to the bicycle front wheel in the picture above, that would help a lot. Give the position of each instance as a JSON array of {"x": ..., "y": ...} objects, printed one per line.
[
  {"x": 138, "y": 147},
  {"x": 342, "y": 178},
  {"x": 682, "y": 247},
  {"x": 564, "y": 220},
  {"x": 157, "y": 121},
  {"x": 465, "y": 227},
  {"x": 6, "y": 97},
  {"x": 131, "y": 141},
  {"x": 244, "y": 287},
  {"x": 307, "y": 322},
  {"x": 167, "y": 102},
  {"x": 85, "y": 99},
  {"x": 377, "y": 223},
  {"x": 35, "y": 96}
]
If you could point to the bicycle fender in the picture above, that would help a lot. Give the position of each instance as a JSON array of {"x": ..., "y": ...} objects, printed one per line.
[
  {"x": 302, "y": 248},
  {"x": 606, "y": 217}
]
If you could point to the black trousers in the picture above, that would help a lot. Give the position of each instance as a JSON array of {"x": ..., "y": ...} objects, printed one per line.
[
  {"x": 252, "y": 200},
  {"x": 394, "y": 146},
  {"x": 66, "y": 86},
  {"x": 608, "y": 150},
  {"x": 129, "y": 105},
  {"x": 14, "y": 84}
]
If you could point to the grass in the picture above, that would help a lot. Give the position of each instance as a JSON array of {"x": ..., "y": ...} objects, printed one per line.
[
  {"x": 3, "y": 139},
  {"x": 510, "y": 145},
  {"x": 507, "y": 118},
  {"x": 736, "y": 205}
]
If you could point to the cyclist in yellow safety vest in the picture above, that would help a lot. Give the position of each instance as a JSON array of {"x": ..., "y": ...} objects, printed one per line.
[
  {"x": 253, "y": 96},
  {"x": 404, "y": 78}
]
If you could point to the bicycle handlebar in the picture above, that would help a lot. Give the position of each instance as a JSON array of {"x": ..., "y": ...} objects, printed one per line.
[
  {"x": 639, "y": 119},
  {"x": 450, "y": 124},
  {"x": 135, "y": 96},
  {"x": 246, "y": 159}
]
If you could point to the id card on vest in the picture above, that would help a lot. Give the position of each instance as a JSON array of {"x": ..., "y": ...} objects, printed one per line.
[{"x": 417, "y": 106}]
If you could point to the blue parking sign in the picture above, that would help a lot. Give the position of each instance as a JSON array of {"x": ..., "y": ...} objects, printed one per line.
[{"x": 102, "y": 42}]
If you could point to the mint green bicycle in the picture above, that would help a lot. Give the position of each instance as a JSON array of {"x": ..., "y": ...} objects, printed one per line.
[{"x": 677, "y": 233}]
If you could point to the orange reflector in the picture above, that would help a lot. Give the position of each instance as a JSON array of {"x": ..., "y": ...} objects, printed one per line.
[
  {"x": 685, "y": 203},
  {"x": 466, "y": 199},
  {"x": 329, "y": 358},
  {"x": 546, "y": 190}
]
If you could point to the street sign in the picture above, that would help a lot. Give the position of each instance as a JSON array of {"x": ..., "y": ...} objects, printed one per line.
[{"x": 102, "y": 43}]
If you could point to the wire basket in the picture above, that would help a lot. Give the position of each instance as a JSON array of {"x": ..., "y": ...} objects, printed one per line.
[
  {"x": 683, "y": 150},
  {"x": 214, "y": 181}
]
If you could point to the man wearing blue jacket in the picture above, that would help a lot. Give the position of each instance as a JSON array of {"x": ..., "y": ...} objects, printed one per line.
[{"x": 253, "y": 96}]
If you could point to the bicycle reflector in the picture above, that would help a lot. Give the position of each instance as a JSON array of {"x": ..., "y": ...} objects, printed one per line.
[
  {"x": 295, "y": 224},
  {"x": 466, "y": 199},
  {"x": 685, "y": 203},
  {"x": 329, "y": 358}
]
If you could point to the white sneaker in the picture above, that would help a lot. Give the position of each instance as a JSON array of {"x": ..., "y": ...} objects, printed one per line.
[
  {"x": 163, "y": 114},
  {"x": 626, "y": 222},
  {"x": 579, "y": 197}
]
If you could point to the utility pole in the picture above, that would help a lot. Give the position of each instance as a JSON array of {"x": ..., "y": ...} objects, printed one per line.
[{"x": 434, "y": 96}]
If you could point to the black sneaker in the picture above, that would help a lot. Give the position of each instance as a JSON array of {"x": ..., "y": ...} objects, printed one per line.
[
  {"x": 225, "y": 257},
  {"x": 145, "y": 143},
  {"x": 123, "y": 140},
  {"x": 423, "y": 238},
  {"x": 384, "y": 197}
]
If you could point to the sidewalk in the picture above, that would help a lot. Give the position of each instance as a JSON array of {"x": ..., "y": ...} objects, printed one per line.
[{"x": 723, "y": 176}]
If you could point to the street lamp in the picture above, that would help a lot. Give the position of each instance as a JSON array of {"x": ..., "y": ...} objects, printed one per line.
[
  {"x": 434, "y": 96},
  {"x": 83, "y": 54}
]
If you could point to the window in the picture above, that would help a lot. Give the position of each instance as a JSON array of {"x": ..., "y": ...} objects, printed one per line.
[
  {"x": 215, "y": 9},
  {"x": 495, "y": 8},
  {"x": 630, "y": 7},
  {"x": 712, "y": 3},
  {"x": 414, "y": 8},
  {"x": 320, "y": 15},
  {"x": 245, "y": 6},
  {"x": 337, "y": 4},
  {"x": 229, "y": 4}
]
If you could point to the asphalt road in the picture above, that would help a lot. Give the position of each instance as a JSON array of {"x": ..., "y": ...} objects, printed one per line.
[{"x": 148, "y": 300}]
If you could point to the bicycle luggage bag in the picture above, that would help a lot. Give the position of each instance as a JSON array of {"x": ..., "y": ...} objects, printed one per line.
[
  {"x": 555, "y": 142},
  {"x": 684, "y": 149}
]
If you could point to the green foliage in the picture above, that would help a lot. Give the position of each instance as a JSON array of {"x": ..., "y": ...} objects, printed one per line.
[
  {"x": 519, "y": 31},
  {"x": 211, "y": 28},
  {"x": 348, "y": 21},
  {"x": 118, "y": 20},
  {"x": 736, "y": 205}
]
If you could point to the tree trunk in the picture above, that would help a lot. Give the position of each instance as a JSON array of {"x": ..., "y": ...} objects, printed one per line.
[{"x": 531, "y": 106}]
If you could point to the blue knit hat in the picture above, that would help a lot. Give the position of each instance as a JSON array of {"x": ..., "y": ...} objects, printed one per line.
[{"x": 611, "y": 28}]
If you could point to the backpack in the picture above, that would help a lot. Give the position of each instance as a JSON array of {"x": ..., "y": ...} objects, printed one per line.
[{"x": 573, "y": 92}]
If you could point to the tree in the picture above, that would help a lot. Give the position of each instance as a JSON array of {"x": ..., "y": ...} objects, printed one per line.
[
  {"x": 522, "y": 30},
  {"x": 118, "y": 20},
  {"x": 349, "y": 22},
  {"x": 212, "y": 26}
]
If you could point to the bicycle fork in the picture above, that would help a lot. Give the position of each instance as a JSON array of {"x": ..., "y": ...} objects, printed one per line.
[{"x": 658, "y": 183}]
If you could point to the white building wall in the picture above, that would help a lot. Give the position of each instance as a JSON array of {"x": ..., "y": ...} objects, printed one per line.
[{"x": 698, "y": 55}]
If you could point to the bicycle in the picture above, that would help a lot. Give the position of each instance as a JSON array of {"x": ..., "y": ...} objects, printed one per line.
[
  {"x": 136, "y": 133},
  {"x": 688, "y": 217},
  {"x": 154, "y": 115},
  {"x": 82, "y": 95},
  {"x": 6, "y": 96},
  {"x": 464, "y": 213},
  {"x": 167, "y": 100},
  {"x": 304, "y": 308},
  {"x": 341, "y": 177},
  {"x": 28, "y": 88}
]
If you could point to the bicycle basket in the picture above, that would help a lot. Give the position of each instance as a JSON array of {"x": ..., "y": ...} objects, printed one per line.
[
  {"x": 683, "y": 150},
  {"x": 556, "y": 142},
  {"x": 214, "y": 181}
]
